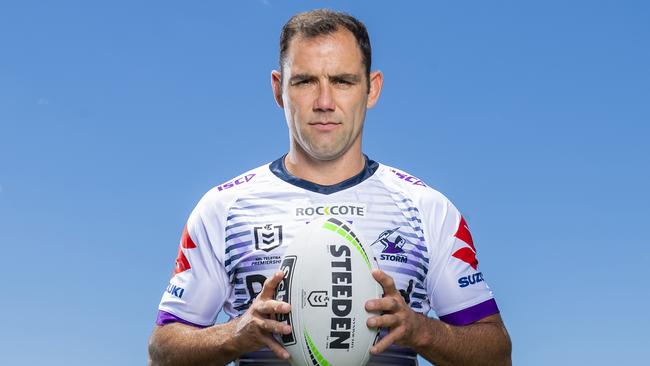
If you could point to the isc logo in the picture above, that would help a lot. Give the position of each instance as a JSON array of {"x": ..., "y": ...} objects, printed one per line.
[
  {"x": 408, "y": 178},
  {"x": 236, "y": 182}
]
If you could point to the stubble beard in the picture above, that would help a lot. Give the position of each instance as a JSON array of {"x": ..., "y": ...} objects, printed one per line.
[{"x": 326, "y": 150}]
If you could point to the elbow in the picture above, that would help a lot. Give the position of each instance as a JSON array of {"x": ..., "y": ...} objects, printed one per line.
[
  {"x": 154, "y": 352},
  {"x": 505, "y": 354},
  {"x": 158, "y": 355}
]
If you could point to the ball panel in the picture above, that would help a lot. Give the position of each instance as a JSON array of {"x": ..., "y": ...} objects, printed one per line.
[
  {"x": 283, "y": 293},
  {"x": 327, "y": 282}
]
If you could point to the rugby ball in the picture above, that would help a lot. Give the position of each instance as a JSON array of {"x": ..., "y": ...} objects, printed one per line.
[{"x": 327, "y": 280}]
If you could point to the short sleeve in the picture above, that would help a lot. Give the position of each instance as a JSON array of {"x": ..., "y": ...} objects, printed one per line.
[
  {"x": 199, "y": 285},
  {"x": 457, "y": 289}
]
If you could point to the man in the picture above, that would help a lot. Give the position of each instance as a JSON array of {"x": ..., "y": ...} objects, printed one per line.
[{"x": 233, "y": 241}]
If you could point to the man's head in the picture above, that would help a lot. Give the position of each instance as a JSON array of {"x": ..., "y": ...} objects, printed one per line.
[
  {"x": 322, "y": 22},
  {"x": 324, "y": 85}
]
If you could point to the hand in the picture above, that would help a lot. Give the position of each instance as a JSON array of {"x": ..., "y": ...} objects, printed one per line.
[
  {"x": 255, "y": 327},
  {"x": 402, "y": 321}
]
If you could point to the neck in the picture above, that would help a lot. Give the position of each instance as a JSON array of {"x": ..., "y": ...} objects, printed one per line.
[{"x": 324, "y": 172}]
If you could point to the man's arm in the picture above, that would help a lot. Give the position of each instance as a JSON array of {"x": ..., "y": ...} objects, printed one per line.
[
  {"x": 180, "y": 344},
  {"x": 485, "y": 342}
]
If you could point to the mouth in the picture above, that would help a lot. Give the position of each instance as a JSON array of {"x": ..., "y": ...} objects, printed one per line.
[{"x": 324, "y": 126}]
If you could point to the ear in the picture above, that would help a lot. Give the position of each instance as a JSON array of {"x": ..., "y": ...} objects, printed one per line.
[
  {"x": 376, "y": 82},
  {"x": 276, "y": 82}
]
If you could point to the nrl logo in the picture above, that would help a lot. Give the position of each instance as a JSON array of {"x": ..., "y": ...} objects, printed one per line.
[
  {"x": 318, "y": 298},
  {"x": 267, "y": 237}
]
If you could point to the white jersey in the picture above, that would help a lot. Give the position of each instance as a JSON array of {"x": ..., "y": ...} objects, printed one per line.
[{"x": 238, "y": 232}]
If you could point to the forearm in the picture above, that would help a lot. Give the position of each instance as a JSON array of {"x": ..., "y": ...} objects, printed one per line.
[
  {"x": 482, "y": 343},
  {"x": 180, "y": 344}
]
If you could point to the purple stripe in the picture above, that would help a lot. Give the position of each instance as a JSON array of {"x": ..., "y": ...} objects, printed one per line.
[
  {"x": 405, "y": 271},
  {"x": 165, "y": 318},
  {"x": 237, "y": 235},
  {"x": 420, "y": 247},
  {"x": 471, "y": 314},
  {"x": 235, "y": 257},
  {"x": 418, "y": 254},
  {"x": 261, "y": 267},
  {"x": 238, "y": 245},
  {"x": 229, "y": 227},
  {"x": 416, "y": 263}
]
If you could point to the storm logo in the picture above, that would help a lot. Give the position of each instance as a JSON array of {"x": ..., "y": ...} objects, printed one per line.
[
  {"x": 466, "y": 254},
  {"x": 393, "y": 246}
]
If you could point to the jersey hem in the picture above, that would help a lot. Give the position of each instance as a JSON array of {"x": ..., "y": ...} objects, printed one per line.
[
  {"x": 167, "y": 316},
  {"x": 472, "y": 314}
]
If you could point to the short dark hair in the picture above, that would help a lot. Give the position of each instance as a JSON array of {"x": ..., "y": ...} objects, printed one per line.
[{"x": 320, "y": 22}]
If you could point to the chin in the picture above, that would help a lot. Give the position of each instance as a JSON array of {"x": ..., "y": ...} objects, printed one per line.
[{"x": 325, "y": 155}]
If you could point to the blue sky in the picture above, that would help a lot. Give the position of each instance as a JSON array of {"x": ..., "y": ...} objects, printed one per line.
[{"x": 115, "y": 118}]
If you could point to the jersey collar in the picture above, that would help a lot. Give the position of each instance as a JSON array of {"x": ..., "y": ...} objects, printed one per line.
[{"x": 277, "y": 167}]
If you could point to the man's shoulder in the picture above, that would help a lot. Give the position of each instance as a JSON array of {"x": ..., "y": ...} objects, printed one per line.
[
  {"x": 237, "y": 186},
  {"x": 440, "y": 214},
  {"x": 243, "y": 181},
  {"x": 410, "y": 185}
]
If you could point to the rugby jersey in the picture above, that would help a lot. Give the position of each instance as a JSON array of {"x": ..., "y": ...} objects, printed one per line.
[{"x": 237, "y": 234}]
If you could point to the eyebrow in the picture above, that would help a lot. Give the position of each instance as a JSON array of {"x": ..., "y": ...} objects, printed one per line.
[
  {"x": 347, "y": 77},
  {"x": 301, "y": 77}
]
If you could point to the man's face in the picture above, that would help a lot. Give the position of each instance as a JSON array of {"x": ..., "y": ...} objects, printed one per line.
[{"x": 324, "y": 93}]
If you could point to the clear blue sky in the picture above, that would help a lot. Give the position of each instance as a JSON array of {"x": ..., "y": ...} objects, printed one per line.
[{"x": 116, "y": 116}]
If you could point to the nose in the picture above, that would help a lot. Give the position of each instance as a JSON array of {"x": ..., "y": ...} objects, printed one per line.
[{"x": 325, "y": 100}]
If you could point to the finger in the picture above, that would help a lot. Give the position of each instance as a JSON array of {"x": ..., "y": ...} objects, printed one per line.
[
  {"x": 383, "y": 321},
  {"x": 272, "y": 307},
  {"x": 386, "y": 282},
  {"x": 271, "y": 283},
  {"x": 275, "y": 347},
  {"x": 387, "y": 304},
  {"x": 385, "y": 342},
  {"x": 273, "y": 326}
]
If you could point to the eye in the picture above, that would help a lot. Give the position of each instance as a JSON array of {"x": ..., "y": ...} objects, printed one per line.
[
  {"x": 342, "y": 82},
  {"x": 302, "y": 82}
]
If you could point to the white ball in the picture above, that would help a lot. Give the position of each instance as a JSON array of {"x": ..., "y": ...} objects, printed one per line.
[{"x": 327, "y": 282}]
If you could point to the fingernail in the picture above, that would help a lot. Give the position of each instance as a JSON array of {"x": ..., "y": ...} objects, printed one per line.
[
  {"x": 285, "y": 355},
  {"x": 371, "y": 322}
]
